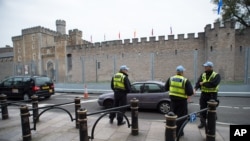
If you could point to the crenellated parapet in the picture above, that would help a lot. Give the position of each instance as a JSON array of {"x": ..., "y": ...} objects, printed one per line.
[
  {"x": 17, "y": 38},
  {"x": 136, "y": 41},
  {"x": 219, "y": 25},
  {"x": 38, "y": 29},
  {"x": 75, "y": 32}
]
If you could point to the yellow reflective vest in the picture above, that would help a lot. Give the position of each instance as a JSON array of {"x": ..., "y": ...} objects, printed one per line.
[
  {"x": 205, "y": 89},
  {"x": 177, "y": 86},
  {"x": 118, "y": 81}
]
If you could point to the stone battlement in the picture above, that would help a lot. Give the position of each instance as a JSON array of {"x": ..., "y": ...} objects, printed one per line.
[
  {"x": 39, "y": 29},
  {"x": 218, "y": 25},
  {"x": 75, "y": 32},
  {"x": 143, "y": 40}
]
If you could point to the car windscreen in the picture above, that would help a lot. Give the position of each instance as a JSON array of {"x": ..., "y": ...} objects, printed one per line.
[{"x": 42, "y": 80}]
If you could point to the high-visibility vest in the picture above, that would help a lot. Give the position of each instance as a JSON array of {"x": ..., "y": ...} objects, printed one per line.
[
  {"x": 177, "y": 86},
  {"x": 205, "y": 89},
  {"x": 118, "y": 81}
]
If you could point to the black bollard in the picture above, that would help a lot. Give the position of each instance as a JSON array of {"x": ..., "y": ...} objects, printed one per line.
[
  {"x": 211, "y": 120},
  {"x": 34, "y": 107},
  {"x": 83, "y": 128},
  {"x": 4, "y": 106},
  {"x": 134, "y": 116},
  {"x": 170, "y": 131},
  {"x": 77, "y": 107},
  {"x": 25, "y": 123}
]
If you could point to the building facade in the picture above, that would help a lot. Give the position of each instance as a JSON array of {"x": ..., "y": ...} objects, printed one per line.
[{"x": 68, "y": 58}]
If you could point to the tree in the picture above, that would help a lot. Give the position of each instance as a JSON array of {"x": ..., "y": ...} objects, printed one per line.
[{"x": 237, "y": 10}]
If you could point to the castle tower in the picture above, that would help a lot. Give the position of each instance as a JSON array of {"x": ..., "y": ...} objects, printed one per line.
[{"x": 61, "y": 26}]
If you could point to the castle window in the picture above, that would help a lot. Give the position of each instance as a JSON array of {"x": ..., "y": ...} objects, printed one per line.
[
  {"x": 175, "y": 52},
  {"x": 48, "y": 51},
  {"x": 98, "y": 65},
  {"x": 19, "y": 50},
  {"x": 34, "y": 56},
  {"x": 19, "y": 58},
  {"x": 33, "y": 46},
  {"x": 231, "y": 47},
  {"x": 211, "y": 48},
  {"x": 69, "y": 61},
  {"x": 240, "y": 48},
  {"x": 33, "y": 38}
]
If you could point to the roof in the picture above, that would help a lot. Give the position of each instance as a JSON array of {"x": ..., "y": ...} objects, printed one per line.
[{"x": 6, "y": 54}]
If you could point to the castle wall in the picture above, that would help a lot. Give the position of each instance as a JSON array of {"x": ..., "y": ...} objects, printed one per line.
[
  {"x": 152, "y": 59},
  {"x": 6, "y": 65},
  {"x": 220, "y": 49},
  {"x": 147, "y": 59}
]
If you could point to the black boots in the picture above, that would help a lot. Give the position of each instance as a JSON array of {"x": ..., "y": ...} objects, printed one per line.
[{"x": 201, "y": 125}]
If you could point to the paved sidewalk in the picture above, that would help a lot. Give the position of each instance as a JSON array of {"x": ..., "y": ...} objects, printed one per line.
[{"x": 57, "y": 126}]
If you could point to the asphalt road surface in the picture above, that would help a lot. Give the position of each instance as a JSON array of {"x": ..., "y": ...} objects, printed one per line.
[{"x": 232, "y": 110}]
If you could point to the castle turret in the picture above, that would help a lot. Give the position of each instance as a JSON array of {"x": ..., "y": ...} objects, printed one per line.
[{"x": 61, "y": 26}]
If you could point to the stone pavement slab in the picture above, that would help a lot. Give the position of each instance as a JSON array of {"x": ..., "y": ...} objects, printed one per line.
[{"x": 59, "y": 127}]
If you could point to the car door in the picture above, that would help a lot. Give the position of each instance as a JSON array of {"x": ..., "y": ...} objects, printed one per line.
[
  {"x": 136, "y": 90},
  {"x": 17, "y": 87},
  {"x": 152, "y": 94},
  {"x": 6, "y": 87}
]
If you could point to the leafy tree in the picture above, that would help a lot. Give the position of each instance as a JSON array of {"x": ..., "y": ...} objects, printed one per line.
[{"x": 237, "y": 10}]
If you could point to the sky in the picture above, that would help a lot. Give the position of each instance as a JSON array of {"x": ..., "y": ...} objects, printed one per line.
[{"x": 104, "y": 20}]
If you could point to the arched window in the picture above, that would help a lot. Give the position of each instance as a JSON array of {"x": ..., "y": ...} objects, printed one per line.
[{"x": 211, "y": 48}]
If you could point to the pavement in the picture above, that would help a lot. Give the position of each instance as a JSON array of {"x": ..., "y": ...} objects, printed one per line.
[{"x": 57, "y": 126}]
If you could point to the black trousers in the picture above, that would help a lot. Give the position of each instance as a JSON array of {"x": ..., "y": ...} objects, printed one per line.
[
  {"x": 120, "y": 99},
  {"x": 205, "y": 97},
  {"x": 179, "y": 107}
]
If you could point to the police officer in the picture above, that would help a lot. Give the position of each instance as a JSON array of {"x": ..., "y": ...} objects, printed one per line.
[
  {"x": 120, "y": 84},
  {"x": 179, "y": 89},
  {"x": 208, "y": 83}
]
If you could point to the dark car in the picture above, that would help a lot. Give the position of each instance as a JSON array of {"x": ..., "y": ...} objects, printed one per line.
[
  {"x": 25, "y": 86},
  {"x": 151, "y": 95}
]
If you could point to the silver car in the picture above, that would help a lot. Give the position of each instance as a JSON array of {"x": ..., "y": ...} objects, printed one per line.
[{"x": 151, "y": 95}]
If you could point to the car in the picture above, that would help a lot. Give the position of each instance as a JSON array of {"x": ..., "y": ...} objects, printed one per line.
[
  {"x": 25, "y": 86},
  {"x": 151, "y": 95}
]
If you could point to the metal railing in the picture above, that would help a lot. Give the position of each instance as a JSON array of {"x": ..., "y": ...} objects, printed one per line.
[
  {"x": 82, "y": 113},
  {"x": 171, "y": 119}
]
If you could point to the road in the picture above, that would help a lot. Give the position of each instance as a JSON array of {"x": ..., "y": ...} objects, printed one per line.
[{"x": 232, "y": 110}]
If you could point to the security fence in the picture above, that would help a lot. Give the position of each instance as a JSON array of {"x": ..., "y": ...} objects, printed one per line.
[{"x": 232, "y": 64}]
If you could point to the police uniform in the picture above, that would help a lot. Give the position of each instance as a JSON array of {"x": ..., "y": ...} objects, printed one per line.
[
  {"x": 120, "y": 84},
  {"x": 179, "y": 89},
  {"x": 209, "y": 90}
]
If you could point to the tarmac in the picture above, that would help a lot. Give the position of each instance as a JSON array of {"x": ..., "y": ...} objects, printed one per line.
[{"x": 57, "y": 126}]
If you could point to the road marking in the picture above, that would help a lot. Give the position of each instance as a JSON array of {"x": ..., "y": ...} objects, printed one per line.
[{"x": 231, "y": 107}]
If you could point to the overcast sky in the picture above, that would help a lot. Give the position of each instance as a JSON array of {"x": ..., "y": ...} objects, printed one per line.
[{"x": 105, "y": 19}]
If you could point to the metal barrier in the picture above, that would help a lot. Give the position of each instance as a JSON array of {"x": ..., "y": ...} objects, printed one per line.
[
  {"x": 26, "y": 130},
  {"x": 80, "y": 116},
  {"x": 4, "y": 108},
  {"x": 171, "y": 119},
  {"x": 4, "y": 105},
  {"x": 82, "y": 113}
]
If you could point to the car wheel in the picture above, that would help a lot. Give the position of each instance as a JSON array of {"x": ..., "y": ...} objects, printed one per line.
[
  {"x": 47, "y": 97},
  {"x": 26, "y": 97},
  {"x": 108, "y": 103},
  {"x": 164, "y": 107}
]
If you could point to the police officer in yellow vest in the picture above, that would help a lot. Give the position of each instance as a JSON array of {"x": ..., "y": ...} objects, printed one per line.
[
  {"x": 179, "y": 89},
  {"x": 120, "y": 84},
  {"x": 208, "y": 83}
]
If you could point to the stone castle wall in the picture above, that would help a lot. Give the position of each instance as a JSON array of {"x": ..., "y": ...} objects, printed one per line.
[{"x": 149, "y": 58}]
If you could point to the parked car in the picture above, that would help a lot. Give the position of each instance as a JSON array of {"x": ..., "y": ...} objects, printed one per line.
[
  {"x": 151, "y": 95},
  {"x": 25, "y": 86}
]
